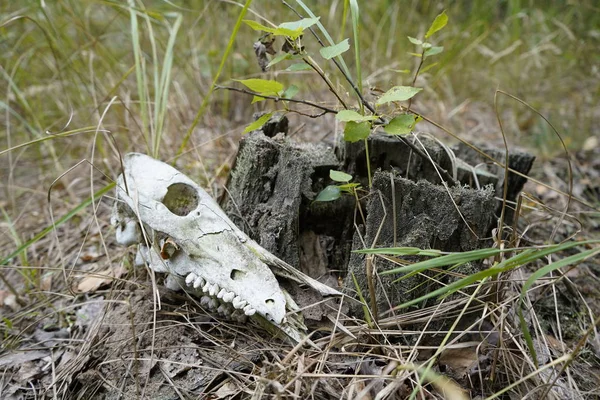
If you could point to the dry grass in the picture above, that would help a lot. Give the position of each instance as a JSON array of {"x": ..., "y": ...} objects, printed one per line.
[{"x": 70, "y": 93}]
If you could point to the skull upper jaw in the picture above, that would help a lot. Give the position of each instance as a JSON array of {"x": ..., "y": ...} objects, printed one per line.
[{"x": 207, "y": 247}]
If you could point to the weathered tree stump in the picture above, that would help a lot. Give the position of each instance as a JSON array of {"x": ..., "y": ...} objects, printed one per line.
[
  {"x": 274, "y": 183},
  {"x": 270, "y": 197},
  {"x": 427, "y": 216}
]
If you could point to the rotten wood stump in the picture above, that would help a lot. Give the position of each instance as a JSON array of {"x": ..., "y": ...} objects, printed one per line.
[{"x": 274, "y": 183}]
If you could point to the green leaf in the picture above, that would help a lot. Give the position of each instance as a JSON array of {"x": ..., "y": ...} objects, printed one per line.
[
  {"x": 291, "y": 33},
  {"x": 355, "y": 131},
  {"x": 400, "y": 125},
  {"x": 333, "y": 51},
  {"x": 339, "y": 176},
  {"x": 257, "y": 99},
  {"x": 415, "y": 54},
  {"x": 433, "y": 51},
  {"x": 290, "y": 92},
  {"x": 401, "y": 71},
  {"x": 302, "y": 24},
  {"x": 330, "y": 193},
  {"x": 398, "y": 93},
  {"x": 427, "y": 68},
  {"x": 262, "y": 86},
  {"x": 415, "y": 41},
  {"x": 349, "y": 115},
  {"x": 426, "y": 45},
  {"x": 292, "y": 30},
  {"x": 298, "y": 67},
  {"x": 258, "y": 123},
  {"x": 258, "y": 27},
  {"x": 348, "y": 187},
  {"x": 278, "y": 59},
  {"x": 438, "y": 23}
]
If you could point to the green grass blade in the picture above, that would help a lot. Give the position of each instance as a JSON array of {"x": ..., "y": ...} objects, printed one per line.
[
  {"x": 325, "y": 33},
  {"x": 140, "y": 74},
  {"x": 354, "y": 10},
  {"x": 206, "y": 99},
  {"x": 344, "y": 18},
  {"x": 87, "y": 129},
  {"x": 450, "y": 259},
  {"x": 165, "y": 83},
  {"x": 571, "y": 260},
  {"x": 362, "y": 299},
  {"x": 400, "y": 251},
  {"x": 59, "y": 222},
  {"x": 530, "y": 255}
]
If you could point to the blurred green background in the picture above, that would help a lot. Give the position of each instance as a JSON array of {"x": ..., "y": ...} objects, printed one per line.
[{"x": 69, "y": 64}]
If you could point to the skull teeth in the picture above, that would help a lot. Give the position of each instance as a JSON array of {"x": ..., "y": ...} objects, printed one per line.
[
  {"x": 238, "y": 303},
  {"x": 231, "y": 303},
  {"x": 249, "y": 311},
  {"x": 199, "y": 282},
  {"x": 228, "y": 297},
  {"x": 213, "y": 289},
  {"x": 194, "y": 280},
  {"x": 190, "y": 278}
]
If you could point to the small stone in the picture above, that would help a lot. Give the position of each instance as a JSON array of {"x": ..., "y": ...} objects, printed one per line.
[
  {"x": 239, "y": 316},
  {"x": 224, "y": 310},
  {"x": 213, "y": 304},
  {"x": 204, "y": 301},
  {"x": 140, "y": 259}
]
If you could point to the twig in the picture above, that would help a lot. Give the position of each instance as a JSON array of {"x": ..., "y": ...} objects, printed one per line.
[
  {"x": 277, "y": 98},
  {"x": 305, "y": 114},
  {"x": 416, "y": 75},
  {"x": 318, "y": 70},
  {"x": 445, "y": 174},
  {"x": 350, "y": 81}
]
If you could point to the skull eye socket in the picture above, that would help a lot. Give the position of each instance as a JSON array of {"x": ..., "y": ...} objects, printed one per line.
[
  {"x": 236, "y": 274},
  {"x": 181, "y": 199}
]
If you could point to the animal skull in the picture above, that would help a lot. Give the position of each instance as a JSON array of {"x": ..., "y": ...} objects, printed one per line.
[{"x": 190, "y": 238}]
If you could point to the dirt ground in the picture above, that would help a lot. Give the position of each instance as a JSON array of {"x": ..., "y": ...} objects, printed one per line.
[{"x": 96, "y": 328}]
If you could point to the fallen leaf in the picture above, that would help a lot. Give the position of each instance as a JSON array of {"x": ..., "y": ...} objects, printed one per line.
[
  {"x": 46, "y": 283},
  {"x": 458, "y": 361},
  {"x": 18, "y": 358},
  {"x": 94, "y": 282},
  {"x": 228, "y": 390},
  {"x": 591, "y": 143},
  {"x": 8, "y": 299},
  {"x": 90, "y": 254}
]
